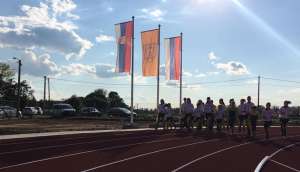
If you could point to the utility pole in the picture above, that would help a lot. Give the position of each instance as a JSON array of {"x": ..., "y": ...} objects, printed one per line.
[
  {"x": 45, "y": 84},
  {"x": 49, "y": 90},
  {"x": 19, "y": 83},
  {"x": 258, "y": 91}
]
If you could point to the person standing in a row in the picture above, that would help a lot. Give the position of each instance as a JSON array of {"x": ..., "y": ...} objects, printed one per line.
[
  {"x": 251, "y": 114},
  {"x": 209, "y": 109},
  {"x": 161, "y": 113},
  {"x": 198, "y": 115},
  {"x": 242, "y": 116},
  {"x": 267, "y": 115},
  {"x": 283, "y": 116},
  {"x": 220, "y": 115},
  {"x": 232, "y": 111}
]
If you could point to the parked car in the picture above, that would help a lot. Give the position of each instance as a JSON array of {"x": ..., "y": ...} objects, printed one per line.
[
  {"x": 62, "y": 109},
  {"x": 9, "y": 111},
  {"x": 40, "y": 110},
  {"x": 90, "y": 111},
  {"x": 29, "y": 111},
  {"x": 120, "y": 112}
]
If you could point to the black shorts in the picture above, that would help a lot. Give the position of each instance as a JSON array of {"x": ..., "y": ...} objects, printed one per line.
[
  {"x": 267, "y": 124},
  {"x": 284, "y": 120}
]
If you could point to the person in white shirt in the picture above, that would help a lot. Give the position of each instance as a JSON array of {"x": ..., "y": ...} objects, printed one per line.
[
  {"x": 242, "y": 116},
  {"x": 189, "y": 109},
  {"x": 251, "y": 117},
  {"x": 220, "y": 114},
  {"x": 198, "y": 115},
  {"x": 283, "y": 116},
  {"x": 210, "y": 110},
  {"x": 169, "y": 121},
  {"x": 267, "y": 115},
  {"x": 161, "y": 113}
]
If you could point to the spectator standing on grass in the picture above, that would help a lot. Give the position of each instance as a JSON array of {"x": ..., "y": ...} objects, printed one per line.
[
  {"x": 267, "y": 115},
  {"x": 253, "y": 120},
  {"x": 189, "y": 109},
  {"x": 209, "y": 110},
  {"x": 232, "y": 112},
  {"x": 250, "y": 118},
  {"x": 169, "y": 121},
  {"x": 198, "y": 115},
  {"x": 283, "y": 116},
  {"x": 242, "y": 116},
  {"x": 161, "y": 113},
  {"x": 220, "y": 115}
]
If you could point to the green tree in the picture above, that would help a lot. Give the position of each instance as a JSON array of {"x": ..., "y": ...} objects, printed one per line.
[
  {"x": 97, "y": 99},
  {"x": 115, "y": 100},
  {"x": 76, "y": 102}
]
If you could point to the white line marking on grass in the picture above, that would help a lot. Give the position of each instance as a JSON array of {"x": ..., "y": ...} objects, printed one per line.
[
  {"x": 86, "y": 152},
  {"x": 286, "y": 166},
  {"x": 223, "y": 150},
  {"x": 149, "y": 153},
  {"x": 73, "y": 144}
]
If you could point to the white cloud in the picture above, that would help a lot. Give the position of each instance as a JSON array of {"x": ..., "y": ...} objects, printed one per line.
[
  {"x": 77, "y": 69},
  {"x": 153, "y": 14},
  {"x": 35, "y": 65},
  {"x": 212, "y": 56},
  {"x": 104, "y": 38},
  {"x": 38, "y": 28},
  {"x": 233, "y": 68},
  {"x": 110, "y": 9},
  {"x": 63, "y": 7},
  {"x": 107, "y": 71},
  {"x": 200, "y": 75}
]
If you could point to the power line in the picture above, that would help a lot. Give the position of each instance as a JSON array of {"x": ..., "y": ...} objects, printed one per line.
[
  {"x": 222, "y": 81},
  {"x": 282, "y": 80}
]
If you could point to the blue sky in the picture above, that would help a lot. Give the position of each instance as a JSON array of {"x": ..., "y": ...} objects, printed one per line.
[{"x": 223, "y": 40}]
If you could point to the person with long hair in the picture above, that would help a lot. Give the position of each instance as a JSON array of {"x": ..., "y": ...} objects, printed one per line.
[{"x": 169, "y": 121}]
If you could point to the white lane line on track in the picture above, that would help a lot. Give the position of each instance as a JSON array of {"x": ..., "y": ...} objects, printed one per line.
[
  {"x": 149, "y": 153},
  {"x": 223, "y": 150},
  {"x": 286, "y": 166},
  {"x": 90, "y": 151},
  {"x": 63, "y": 133},
  {"x": 267, "y": 158},
  {"x": 74, "y": 144}
]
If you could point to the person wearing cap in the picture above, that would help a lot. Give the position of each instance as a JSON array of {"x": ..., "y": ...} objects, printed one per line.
[
  {"x": 232, "y": 112},
  {"x": 242, "y": 116},
  {"x": 251, "y": 116},
  {"x": 267, "y": 115},
  {"x": 198, "y": 115},
  {"x": 283, "y": 116},
  {"x": 161, "y": 113},
  {"x": 220, "y": 114}
]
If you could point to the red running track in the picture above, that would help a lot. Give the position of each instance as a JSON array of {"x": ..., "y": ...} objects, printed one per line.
[{"x": 149, "y": 151}]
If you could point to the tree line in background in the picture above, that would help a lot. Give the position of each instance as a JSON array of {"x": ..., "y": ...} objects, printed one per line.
[{"x": 99, "y": 98}]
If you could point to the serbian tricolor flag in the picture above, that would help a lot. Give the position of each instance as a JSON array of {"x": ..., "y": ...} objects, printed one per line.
[
  {"x": 150, "y": 49},
  {"x": 124, "y": 32},
  {"x": 173, "y": 58}
]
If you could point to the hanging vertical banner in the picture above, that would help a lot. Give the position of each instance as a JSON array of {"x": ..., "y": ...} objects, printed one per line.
[
  {"x": 150, "y": 49},
  {"x": 124, "y": 33},
  {"x": 173, "y": 58}
]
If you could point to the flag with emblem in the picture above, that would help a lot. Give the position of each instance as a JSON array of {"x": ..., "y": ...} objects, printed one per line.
[
  {"x": 124, "y": 34},
  {"x": 173, "y": 58},
  {"x": 150, "y": 52}
]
